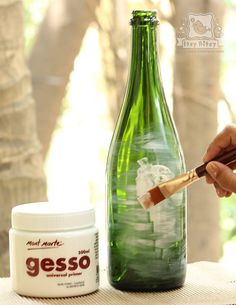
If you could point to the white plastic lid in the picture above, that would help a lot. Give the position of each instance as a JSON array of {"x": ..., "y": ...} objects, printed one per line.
[{"x": 45, "y": 216}]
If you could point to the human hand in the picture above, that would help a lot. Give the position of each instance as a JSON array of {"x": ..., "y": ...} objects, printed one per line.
[{"x": 220, "y": 175}]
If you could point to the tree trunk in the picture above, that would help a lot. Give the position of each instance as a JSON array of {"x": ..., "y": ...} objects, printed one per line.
[
  {"x": 21, "y": 170},
  {"x": 113, "y": 18},
  {"x": 52, "y": 57},
  {"x": 196, "y": 94}
]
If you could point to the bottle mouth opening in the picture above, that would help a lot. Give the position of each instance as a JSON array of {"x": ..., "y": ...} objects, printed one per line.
[{"x": 144, "y": 17}]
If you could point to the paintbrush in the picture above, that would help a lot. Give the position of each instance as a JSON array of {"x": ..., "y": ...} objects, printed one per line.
[{"x": 168, "y": 188}]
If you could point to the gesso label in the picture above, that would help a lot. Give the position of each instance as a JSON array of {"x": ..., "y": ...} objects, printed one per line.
[
  {"x": 47, "y": 264},
  {"x": 59, "y": 266}
]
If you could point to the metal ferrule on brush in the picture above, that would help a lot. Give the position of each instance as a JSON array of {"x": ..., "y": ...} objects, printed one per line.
[{"x": 172, "y": 186}]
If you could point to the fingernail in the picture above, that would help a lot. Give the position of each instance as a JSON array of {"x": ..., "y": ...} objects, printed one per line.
[
  {"x": 221, "y": 193},
  {"x": 212, "y": 169}
]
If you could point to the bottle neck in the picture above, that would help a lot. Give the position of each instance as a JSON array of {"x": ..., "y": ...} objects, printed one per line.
[{"x": 144, "y": 59}]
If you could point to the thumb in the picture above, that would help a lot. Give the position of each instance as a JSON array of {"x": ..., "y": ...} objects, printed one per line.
[{"x": 223, "y": 175}]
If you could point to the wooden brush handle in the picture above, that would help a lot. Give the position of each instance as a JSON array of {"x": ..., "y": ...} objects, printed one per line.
[{"x": 224, "y": 158}]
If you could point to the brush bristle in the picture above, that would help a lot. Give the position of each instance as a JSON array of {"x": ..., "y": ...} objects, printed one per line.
[
  {"x": 151, "y": 198},
  {"x": 156, "y": 195}
]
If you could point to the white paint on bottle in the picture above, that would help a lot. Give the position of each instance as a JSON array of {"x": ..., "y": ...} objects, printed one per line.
[
  {"x": 149, "y": 175},
  {"x": 163, "y": 215}
]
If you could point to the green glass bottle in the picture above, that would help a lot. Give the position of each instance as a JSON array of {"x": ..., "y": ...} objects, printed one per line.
[{"x": 147, "y": 248}]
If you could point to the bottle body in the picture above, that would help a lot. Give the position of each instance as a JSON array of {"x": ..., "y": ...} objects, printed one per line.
[{"x": 147, "y": 249}]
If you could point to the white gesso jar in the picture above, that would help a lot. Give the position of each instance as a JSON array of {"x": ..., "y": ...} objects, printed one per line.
[{"x": 53, "y": 250}]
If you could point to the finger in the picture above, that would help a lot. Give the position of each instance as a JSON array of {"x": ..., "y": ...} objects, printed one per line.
[
  {"x": 221, "y": 192},
  {"x": 226, "y": 138},
  {"x": 228, "y": 194},
  {"x": 222, "y": 175},
  {"x": 232, "y": 165},
  {"x": 209, "y": 179}
]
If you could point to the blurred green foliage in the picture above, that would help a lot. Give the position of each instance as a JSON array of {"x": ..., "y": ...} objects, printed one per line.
[
  {"x": 230, "y": 3},
  {"x": 34, "y": 11},
  {"x": 228, "y": 218}
]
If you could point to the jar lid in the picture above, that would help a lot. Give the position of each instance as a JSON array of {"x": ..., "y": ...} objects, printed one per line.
[{"x": 45, "y": 216}]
